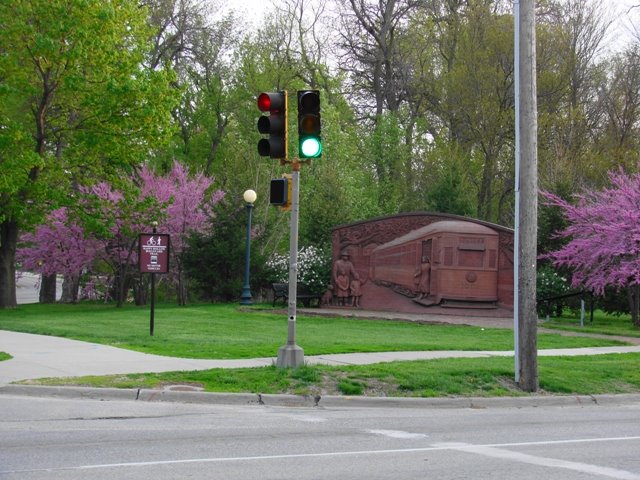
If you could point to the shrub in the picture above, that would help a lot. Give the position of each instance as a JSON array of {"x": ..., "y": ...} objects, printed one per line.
[
  {"x": 549, "y": 283},
  {"x": 314, "y": 268}
]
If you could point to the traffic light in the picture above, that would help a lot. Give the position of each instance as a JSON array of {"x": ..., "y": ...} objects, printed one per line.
[
  {"x": 274, "y": 124},
  {"x": 280, "y": 192},
  {"x": 309, "y": 140}
]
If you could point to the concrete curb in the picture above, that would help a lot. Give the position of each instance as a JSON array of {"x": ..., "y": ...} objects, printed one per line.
[{"x": 306, "y": 401}]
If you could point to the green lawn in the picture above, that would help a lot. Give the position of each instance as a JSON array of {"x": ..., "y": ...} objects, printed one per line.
[
  {"x": 226, "y": 331},
  {"x": 602, "y": 323}
]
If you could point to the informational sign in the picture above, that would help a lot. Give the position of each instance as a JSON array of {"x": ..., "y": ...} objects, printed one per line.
[{"x": 153, "y": 252}]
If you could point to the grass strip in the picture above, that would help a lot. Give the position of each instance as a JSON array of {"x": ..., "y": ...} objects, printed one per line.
[
  {"x": 603, "y": 324},
  {"x": 487, "y": 377}
]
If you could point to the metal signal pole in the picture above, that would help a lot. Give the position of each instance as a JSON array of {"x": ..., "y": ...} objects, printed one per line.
[{"x": 291, "y": 355}]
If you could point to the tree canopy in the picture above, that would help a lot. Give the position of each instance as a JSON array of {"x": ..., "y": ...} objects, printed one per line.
[
  {"x": 417, "y": 106},
  {"x": 183, "y": 203},
  {"x": 603, "y": 248}
]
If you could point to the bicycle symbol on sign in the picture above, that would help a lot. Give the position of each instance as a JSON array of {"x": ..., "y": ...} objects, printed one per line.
[{"x": 153, "y": 242}]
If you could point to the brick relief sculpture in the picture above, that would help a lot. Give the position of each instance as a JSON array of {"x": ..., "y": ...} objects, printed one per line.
[{"x": 415, "y": 261}]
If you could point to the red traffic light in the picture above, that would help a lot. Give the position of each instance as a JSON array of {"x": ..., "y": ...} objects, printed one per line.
[
  {"x": 264, "y": 102},
  {"x": 274, "y": 124},
  {"x": 271, "y": 102}
]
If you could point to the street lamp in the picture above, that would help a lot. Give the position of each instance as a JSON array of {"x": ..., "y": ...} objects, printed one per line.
[{"x": 249, "y": 198}]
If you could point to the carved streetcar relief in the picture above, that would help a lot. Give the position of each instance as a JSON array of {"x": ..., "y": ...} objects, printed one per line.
[
  {"x": 447, "y": 260},
  {"x": 413, "y": 261}
]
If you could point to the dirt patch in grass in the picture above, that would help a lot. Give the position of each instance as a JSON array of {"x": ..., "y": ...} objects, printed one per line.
[{"x": 341, "y": 383}]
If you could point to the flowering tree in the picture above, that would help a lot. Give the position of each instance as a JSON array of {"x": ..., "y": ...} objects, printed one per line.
[
  {"x": 120, "y": 216},
  {"x": 58, "y": 247},
  {"x": 113, "y": 220},
  {"x": 604, "y": 233},
  {"x": 189, "y": 210}
]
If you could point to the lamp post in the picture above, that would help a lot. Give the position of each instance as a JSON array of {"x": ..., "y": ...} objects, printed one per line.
[{"x": 249, "y": 197}]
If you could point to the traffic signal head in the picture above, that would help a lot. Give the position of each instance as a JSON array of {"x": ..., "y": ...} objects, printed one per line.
[
  {"x": 280, "y": 192},
  {"x": 274, "y": 124},
  {"x": 309, "y": 129}
]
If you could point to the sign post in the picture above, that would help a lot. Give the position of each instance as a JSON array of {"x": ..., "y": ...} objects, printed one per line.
[{"x": 153, "y": 255}]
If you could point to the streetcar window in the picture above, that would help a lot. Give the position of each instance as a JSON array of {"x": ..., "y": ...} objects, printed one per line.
[{"x": 471, "y": 243}]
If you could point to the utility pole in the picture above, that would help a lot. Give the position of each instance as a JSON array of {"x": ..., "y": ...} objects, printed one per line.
[{"x": 527, "y": 189}]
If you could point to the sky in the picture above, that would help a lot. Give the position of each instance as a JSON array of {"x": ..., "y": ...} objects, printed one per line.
[{"x": 621, "y": 31}]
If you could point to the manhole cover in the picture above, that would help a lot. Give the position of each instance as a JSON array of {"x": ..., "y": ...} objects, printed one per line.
[{"x": 183, "y": 388}]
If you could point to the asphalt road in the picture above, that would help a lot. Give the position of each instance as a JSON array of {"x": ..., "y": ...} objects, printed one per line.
[{"x": 45, "y": 438}]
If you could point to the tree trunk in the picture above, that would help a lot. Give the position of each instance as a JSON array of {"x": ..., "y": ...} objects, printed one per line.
[
  {"x": 140, "y": 287},
  {"x": 121, "y": 286},
  {"x": 633, "y": 292},
  {"x": 8, "y": 244},
  {"x": 70, "y": 286},
  {"x": 48, "y": 289},
  {"x": 182, "y": 289}
]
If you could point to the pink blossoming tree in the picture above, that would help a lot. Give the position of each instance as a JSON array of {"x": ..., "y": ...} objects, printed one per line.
[
  {"x": 604, "y": 232},
  {"x": 117, "y": 218},
  {"x": 59, "y": 247},
  {"x": 189, "y": 210},
  {"x": 182, "y": 205}
]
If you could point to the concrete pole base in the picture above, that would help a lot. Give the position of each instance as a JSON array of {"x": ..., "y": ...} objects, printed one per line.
[{"x": 290, "y": 356}]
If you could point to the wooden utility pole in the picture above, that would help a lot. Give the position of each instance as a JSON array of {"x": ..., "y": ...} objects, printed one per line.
[{"x": 527, "y": 317}]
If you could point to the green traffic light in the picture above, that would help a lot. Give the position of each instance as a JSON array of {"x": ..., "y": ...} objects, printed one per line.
[{"x": 310, "y": 147}]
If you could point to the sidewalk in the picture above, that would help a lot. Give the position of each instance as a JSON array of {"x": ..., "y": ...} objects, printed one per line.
[
  {"x": 38, "y": 356},
  {"x": 437, "y": 315}
]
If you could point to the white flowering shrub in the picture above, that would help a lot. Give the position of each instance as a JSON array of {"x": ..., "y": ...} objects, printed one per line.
[
  {"x": 277, "y": 268},
  {"x": 314, "y": 268},
  {"x": 549, "y": 283}
]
